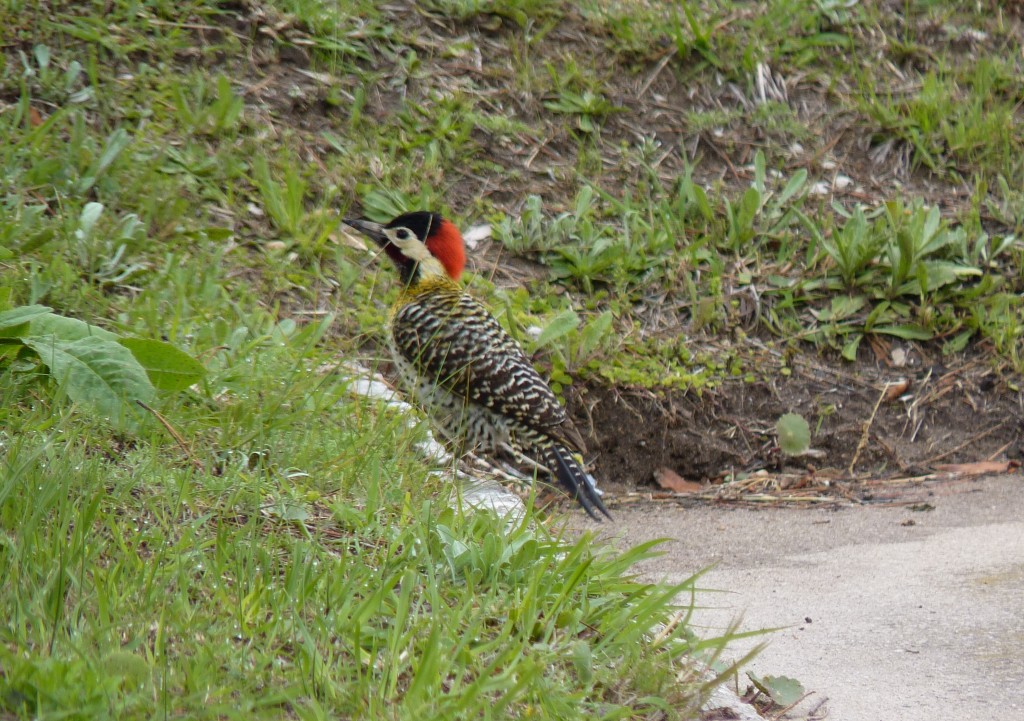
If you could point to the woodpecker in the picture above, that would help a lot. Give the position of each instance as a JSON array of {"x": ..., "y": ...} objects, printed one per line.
[{"x": 473, "y": 379}]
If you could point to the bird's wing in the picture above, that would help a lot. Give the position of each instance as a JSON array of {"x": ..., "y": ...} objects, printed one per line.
[{"x": 464, "y": 349}]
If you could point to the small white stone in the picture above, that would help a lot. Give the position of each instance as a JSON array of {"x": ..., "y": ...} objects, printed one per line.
[{"x": 475, "y": 234}]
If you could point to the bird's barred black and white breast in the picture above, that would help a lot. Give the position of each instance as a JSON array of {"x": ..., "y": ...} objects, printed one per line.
[{"x": 469, "y": 373}]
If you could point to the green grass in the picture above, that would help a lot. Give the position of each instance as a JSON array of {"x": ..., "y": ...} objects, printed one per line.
[
  {"x": 178, "y": 171},
  {"x": 143, "y": 588}
]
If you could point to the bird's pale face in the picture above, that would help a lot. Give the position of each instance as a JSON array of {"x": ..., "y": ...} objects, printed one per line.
[
  {"x": 411, "y": 246},
  {"x": 418, "y": 242}
]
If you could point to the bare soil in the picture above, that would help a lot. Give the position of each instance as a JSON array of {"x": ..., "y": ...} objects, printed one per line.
[{"x": 959, "y": 414}]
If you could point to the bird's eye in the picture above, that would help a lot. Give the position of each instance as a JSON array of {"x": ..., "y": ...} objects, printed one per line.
[{"x": 402, "y": 234}]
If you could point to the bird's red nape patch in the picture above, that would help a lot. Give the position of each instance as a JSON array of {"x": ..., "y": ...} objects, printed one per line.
[{"x": 445, "y": 243}]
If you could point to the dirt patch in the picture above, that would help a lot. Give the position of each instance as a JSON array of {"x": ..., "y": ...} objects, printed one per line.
[
  {"x": 960, "y": 414},
  {"x": 660, "y": 100}
]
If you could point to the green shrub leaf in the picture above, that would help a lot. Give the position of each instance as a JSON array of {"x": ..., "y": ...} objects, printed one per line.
[
  {"x": 98, "y": 373},
  {"x": 66, "y": 329},
  {"x": 10, "y": 320},
  {"x": 794, "y": 434},
  {"x": 560, "y": 325},
  {"x": 906, "y": 332},
  {"x": 783, "y": 690},
  {"x": 594, "y": 332},
  {"x": 168, "y": 368}
]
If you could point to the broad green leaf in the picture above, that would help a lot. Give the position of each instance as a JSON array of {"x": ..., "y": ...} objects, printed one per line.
[
  {"x": 938, "y": 273},
  {"x": 700, "y": 196},
  {"x": 168, "y": 368},
  {"x": 87, "y": 221},
  {"x": 842, "y": 307},
  {"x": 793, "y": 186},
  {"x": 882, "y": 312},
  {"x": 958, "y": 343},
  {"x": 117, "y": 141},
  {"x": 99, "y": 373},
  {"x": 11, "y": 319},
  {"x": 584, "y": 199},
  {"x": 922, "y": 280},
  {"x": 901, "y": 255},
  {"x": 943, "y": 272},
  {"x": 1001, "y": 245},
  {"x": 593, "y": 332},
  {"x": 750, "y": 203},
  {"x": 906, "y": 332},
  {"x": 67, "y": 328},
  {"x": 42, "y": 54},
  {"x": 931, "y": 225},
  {"x": 759, "y": 173},
  {"x": 9, "y": 349},
  {"x": 783, "y": 690},
  {"x": 794, "y": 434},
  {"x": 851, "y": 346},
  {"x": 561, "y": 324}
]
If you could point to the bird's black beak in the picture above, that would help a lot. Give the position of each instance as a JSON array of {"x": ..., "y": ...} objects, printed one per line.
[{"x": 373, "y": 231}]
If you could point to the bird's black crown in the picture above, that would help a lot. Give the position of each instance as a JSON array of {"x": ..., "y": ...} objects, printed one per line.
[{"x": 421, "y": 222}]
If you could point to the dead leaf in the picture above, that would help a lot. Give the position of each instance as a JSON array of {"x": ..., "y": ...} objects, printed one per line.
[
  {"x": 897, "y": 388},
  {"x": 880, "y": 348},
  {"x": 35, "y": 118},
  {"x": 672, "y": 481},
  {"x": 975, "y": 469}
]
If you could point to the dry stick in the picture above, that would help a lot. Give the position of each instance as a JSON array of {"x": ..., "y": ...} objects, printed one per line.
[
  {"x": 780, "y": 714},
  {"x": 813, "y": 711},
  {"x": 656, "y": 72},
  {"x": 907, "y": 479},
  {"x": 669, "y": 627},
  {"x": 966, "y": 443},
  {"x": 1000, "y": 450},
  {"x": 175, "y": 435},
  {"x": 867, "y": 429}
]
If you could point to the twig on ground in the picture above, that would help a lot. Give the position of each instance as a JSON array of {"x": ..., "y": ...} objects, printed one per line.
[
  {"x": 175, "y": 435},
  {"x": 969, "y": 441},
  {"x": 779, "y": 714},
  {"x": 867, "y": 430},
  {"x": 1000, "y": 451},
  {"x": 655, "y": 73}
]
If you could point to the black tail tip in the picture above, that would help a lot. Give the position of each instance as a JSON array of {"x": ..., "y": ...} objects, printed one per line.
[
  {"x": 595, "y": 501},
  {"x": 580, "y": 484}
]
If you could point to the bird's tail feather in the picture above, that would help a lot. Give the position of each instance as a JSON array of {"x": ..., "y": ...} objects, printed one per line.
[{"x": 568, "y": 469}]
